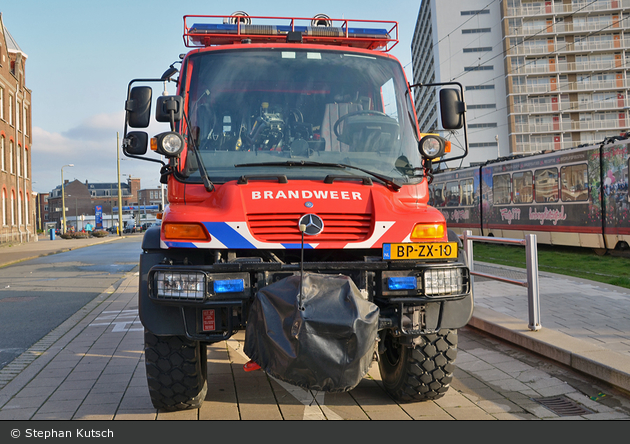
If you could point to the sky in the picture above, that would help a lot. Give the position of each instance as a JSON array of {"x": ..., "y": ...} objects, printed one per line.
[{"x": 83, "y": 54}]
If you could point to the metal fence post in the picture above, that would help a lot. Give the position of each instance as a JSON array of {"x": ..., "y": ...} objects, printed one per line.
[
  {"x": 468, "y": 251},
  {"x": 533, "y": 290}
]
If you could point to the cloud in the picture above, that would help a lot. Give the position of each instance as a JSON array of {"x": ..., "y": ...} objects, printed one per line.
[
  {"x": 98, "y": 127},
  {"x": 92, "y": 148}
]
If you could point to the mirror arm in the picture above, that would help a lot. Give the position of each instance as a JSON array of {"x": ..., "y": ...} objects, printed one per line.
[{"x": 462, "y": 110}]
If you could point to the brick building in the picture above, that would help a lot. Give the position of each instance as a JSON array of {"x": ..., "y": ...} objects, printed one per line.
[
  {"x": 17, "y": 205},
  {"x": 82, "y": 198}
]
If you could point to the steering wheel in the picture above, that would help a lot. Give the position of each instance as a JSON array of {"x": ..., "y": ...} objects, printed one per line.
[{"x": 355, "y": 113}]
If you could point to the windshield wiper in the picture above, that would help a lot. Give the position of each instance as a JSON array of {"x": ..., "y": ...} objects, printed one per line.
[
  {"x": 389, "y": 182},
  {"x": 208, "y": 185}
]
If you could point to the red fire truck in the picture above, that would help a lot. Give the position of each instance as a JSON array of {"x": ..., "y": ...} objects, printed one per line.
[{"x": 297, "y": 186}]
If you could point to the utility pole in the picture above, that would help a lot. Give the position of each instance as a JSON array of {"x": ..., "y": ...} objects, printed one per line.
[{"x": 120, "y": 224}]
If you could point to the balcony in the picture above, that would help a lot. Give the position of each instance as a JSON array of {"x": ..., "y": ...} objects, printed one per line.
[
  {"x": 555, "y": 127},
  {"x": 581, "y": 7},
  {"x": 564, "y": 67},
  {"x": 564, "y": 87},
  {"x": 535, "y": 147}
]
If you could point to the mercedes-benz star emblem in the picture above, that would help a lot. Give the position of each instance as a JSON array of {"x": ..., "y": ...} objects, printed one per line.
[{"x": 314, "y": 224}]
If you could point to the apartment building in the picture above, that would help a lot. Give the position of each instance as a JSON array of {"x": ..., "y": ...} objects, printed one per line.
[
  {"x": 538, "y": 75},
  {"x": 457, "y": 41},
  {"x": 17, "y": 206},
  {"x": 566, "y": 64}
]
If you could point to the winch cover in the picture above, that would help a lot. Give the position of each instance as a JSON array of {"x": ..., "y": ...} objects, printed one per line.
[{"x": 327, "y": 345}]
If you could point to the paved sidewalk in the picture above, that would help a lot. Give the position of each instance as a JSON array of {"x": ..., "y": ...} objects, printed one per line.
[
  {"x": 585, "y": 324},
  {"x": 11, "y": 253},
  {"x": 94, "y": 361}
]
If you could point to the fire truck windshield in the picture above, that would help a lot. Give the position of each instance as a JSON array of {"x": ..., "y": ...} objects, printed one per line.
[{"x": 261, "y": 107}]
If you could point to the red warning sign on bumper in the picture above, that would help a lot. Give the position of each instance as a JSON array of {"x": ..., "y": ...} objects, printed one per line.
[{"x": 208, "y": 320}]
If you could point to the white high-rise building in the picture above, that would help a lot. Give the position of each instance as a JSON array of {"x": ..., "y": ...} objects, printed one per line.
[
  {"x": 461, "y": 41},
  {"x": 540, "y": 75}
]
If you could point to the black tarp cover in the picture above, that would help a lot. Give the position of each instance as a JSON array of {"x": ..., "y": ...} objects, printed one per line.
[{"x": 327, "y": 346}]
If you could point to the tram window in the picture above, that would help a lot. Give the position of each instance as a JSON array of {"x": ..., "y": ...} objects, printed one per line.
[
  {"x": 502, "y": 189},
  {"x": 438, "y": 195},
  {"x": 546, "y": 185},
  {"x": 467, "y": 192},
  {"x": 522, "y": 186},
  {"x": 574, "y": 183},
  {"x": 452, "y": 194}
]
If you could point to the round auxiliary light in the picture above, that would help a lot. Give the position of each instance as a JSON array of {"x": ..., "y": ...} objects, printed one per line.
[
  {"x": 170, "y": 144},
  {"x": 431, "y": 146}
]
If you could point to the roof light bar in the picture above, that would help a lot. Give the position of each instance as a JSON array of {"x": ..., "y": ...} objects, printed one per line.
[{"x": 210, "y": 30}]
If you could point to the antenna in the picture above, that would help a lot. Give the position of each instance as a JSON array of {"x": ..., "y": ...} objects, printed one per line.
[{"x": 302, "y": 230}]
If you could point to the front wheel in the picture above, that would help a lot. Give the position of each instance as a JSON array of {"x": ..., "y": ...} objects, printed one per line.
[
  {"x": 419, "y": 373},
  {"x": 176, "y": 371}
]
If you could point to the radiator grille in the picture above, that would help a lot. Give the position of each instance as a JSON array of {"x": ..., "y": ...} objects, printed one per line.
[{"x": 272, "y": 227}]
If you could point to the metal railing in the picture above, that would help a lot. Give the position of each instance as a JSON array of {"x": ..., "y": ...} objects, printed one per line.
[{"x": 532, "y": 284}]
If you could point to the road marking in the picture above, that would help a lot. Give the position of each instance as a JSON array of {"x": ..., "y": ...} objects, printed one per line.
[{"x": 122, "y": 320}]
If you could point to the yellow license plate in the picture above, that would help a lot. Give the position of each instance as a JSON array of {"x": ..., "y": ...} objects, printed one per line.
[{"x": 435, "y": 250}]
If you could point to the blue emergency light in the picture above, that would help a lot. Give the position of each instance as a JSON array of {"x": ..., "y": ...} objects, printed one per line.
[
  {"x": 402, "y": 283},
  {"x": 229, "y": 286}
]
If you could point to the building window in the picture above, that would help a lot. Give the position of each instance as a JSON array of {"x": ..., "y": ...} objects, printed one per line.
[
  {"x": 11, "y": 157},
  {"x": 10, "y": 109},
  {"x": 483, "y": 106},
  {"x": 482, "y": 144},
  {"x": 479, "y": 49},
  {"x": 475, "y": 30},
  {"x": 2, "y": 154},
  {"x": 479, "y": 68},
  {"x": 4, "y": 207},
  {"x": 26, "y": 120},
  {"x": 2, "y": 103},
  {"x": 482, "y": 125},
  {"x": 475, "y": 12},
  {"x": 18, "y": 116},
  {"x": 477, "y": 87},
  {"x": 12, "y": 208},
  {"x": 18, "y": 162}
]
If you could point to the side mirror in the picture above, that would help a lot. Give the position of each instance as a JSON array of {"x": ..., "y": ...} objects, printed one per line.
[
  {"x": 138, "y": 107},
  {"x": 452, "y": 109},
  {"x": 136, "y": 143},
  {"x": 168, "y": 106}
]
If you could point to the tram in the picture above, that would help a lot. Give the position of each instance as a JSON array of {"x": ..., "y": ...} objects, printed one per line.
[{"x": 573, "y": 197}]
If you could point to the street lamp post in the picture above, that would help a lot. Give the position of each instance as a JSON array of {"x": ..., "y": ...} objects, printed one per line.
[{"x": 63, "y": 200}]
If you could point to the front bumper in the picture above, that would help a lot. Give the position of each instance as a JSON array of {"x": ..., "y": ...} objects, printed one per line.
[{"x": 181, "y": 299}]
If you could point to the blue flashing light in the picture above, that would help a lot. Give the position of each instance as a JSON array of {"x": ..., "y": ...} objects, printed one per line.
[
  {"x": 402, "y": 283},
  {"x": 229, "y": 286}
]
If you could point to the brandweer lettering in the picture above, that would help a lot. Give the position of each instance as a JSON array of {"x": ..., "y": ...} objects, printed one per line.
[{"x": 306, "y": 194}]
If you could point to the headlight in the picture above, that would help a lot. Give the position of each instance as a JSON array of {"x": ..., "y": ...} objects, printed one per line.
[
  {"x": 168, "y": 144},
  {"x": 431, "y": 146},
  {"x": 180, "y": 286},
  {"x": 445, "y": 281}
]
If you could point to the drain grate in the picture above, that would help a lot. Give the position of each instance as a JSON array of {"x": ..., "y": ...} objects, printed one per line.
[{"x": 563, "y": 406}]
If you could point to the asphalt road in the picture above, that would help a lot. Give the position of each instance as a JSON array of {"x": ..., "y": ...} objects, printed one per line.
[{"x": 38, "y": 295}]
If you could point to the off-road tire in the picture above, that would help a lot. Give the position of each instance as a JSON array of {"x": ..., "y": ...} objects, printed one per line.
[
  {"x": 422, "y": 373},
  {"x": 176, "y": 371}
]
